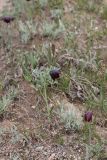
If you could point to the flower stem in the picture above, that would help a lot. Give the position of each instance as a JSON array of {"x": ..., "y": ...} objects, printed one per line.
[{"x": 89, "y": 143}]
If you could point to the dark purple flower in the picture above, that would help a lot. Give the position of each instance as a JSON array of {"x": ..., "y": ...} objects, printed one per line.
[
  {"x": 88, "y": 116},
  {"x": 8, "y": 19},
  {"x": 55, "y": 73}
]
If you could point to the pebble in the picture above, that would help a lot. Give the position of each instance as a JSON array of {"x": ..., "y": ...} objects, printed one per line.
[
  {"x": 52, "y": 157},
  {"x": 39, "y": 148}
]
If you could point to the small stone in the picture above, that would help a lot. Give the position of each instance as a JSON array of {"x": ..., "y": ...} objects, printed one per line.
[
  {"x": 33, "y": 107},
  {"x": 39, "y": 148},
  {"x": 64, "y": 154},
  {"x": 52, "y": 157}
]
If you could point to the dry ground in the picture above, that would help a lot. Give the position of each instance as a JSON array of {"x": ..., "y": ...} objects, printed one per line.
[{"x": 25, "y": 130}]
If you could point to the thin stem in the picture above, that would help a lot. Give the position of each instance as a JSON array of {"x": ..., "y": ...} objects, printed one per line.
[
  {"x": 45, "y": 97},
  {"x": 89, "y": 128},
  {"x": 89, "y": 143}
]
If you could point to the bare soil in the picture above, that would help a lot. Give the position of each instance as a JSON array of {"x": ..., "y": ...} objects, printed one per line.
[{"x": 2, "y": 4}]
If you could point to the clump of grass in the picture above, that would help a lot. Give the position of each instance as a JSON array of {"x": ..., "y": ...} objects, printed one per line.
[
  {"x": 53, "y": 29},
  {"x": 6, "y": 100},
  {"x": 104, "y": 12},
  {"x": 21, "y": 8},
  {"x": 48, "y": 28},
  {"x": 48, "y": 52},
  {"x": 55, "y": 4},
  {"x": 69, "y": 118},
  {"x": 70, "y": 40},
  {"x": 42, "y": 78},
  {"x": 82, "y": 4},
  {"x": 101, "y": 102},
  {"x": 64, "y": 82},
  {"x": 42, "y": 82},
  {"x": 27, "y": 30},
  {"x": 58, "y": 139},
  {"x": 29, "y": 63},
  {"x": 90, "y": 6},
  {"x": 56, "y": 13},
  {"x": 43, "y": 3}
]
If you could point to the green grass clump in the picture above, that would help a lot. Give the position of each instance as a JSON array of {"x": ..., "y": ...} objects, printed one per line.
[
  {"x": 89, "y": 6},
  {"x": 29, "y": 63},
  {"x": 54, "y": 29},
  {"x": 104, "y": 12},
  {"x": 43, "y": 3},
  {"x": 69, "y": 118},
  {"x": 55, "y": 4},
  {"x": 6, "y": 100}
]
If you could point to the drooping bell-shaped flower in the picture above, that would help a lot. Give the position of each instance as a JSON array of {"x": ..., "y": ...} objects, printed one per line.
[
  {"x": 55, "y": 73},
  {"x": 7, "y": 19},
  {"x": 88, "y": 116}
]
